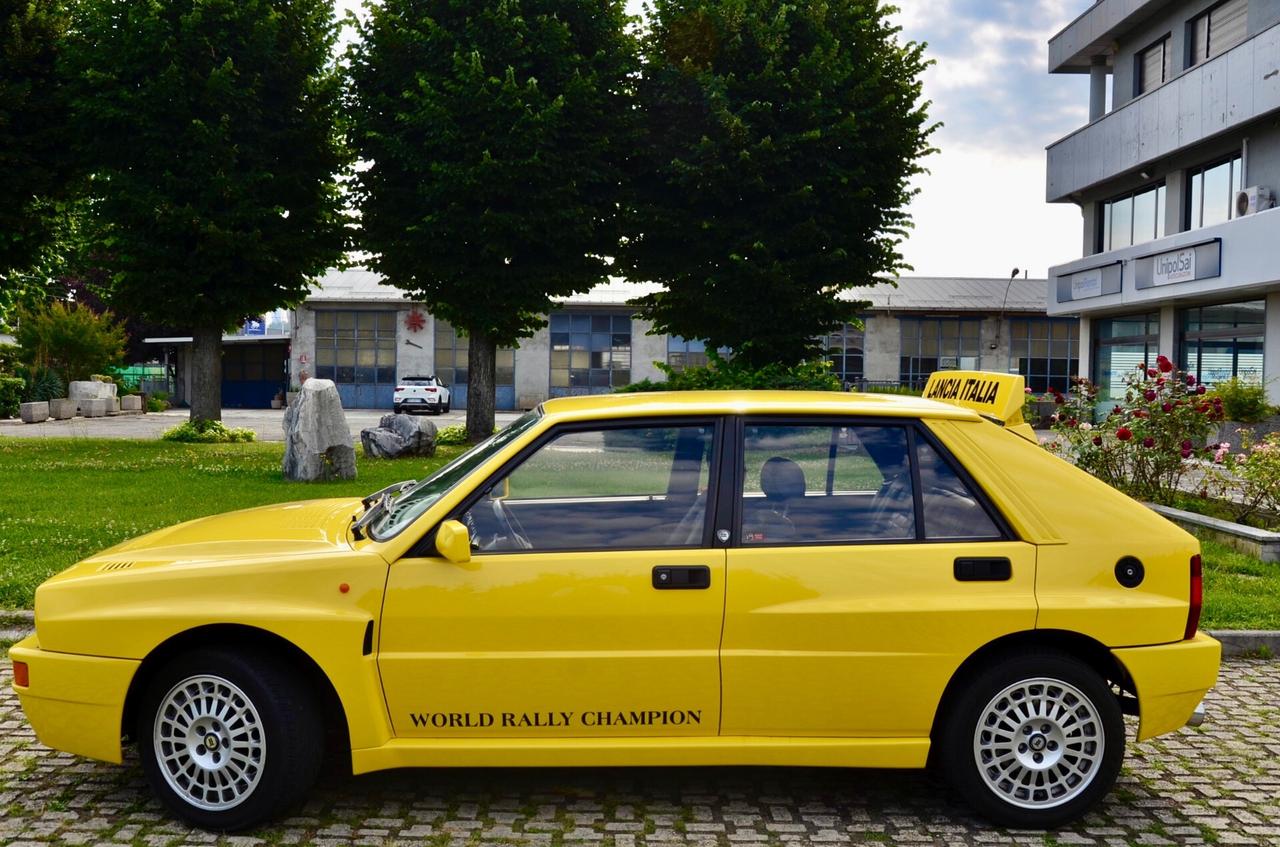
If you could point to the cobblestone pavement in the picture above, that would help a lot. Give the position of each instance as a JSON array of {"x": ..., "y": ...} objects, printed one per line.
[{"x": 1219, "y": 784}]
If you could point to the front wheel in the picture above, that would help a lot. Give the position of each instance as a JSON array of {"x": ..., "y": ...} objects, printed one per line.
[
  {"x": 228, "y": 742},
  {"x": 1034, "y": 741}
]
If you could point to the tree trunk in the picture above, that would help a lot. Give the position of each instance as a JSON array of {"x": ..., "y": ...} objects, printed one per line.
[
  {"x": 481, "y": 360},
  {"x": 206, "y": 374}
]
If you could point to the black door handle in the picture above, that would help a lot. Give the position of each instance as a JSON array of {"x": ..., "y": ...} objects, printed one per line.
[
  {"x": 983, "y": 569},
  {"x": 681, "y": 577}
]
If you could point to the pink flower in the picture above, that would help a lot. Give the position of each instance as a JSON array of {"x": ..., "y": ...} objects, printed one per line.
[
  {"x": 1026, "y": 391},
  {"x": 1223, "y": 450},
  {"x": 1124, "y": 433}
]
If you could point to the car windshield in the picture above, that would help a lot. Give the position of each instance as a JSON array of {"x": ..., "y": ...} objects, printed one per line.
[{"x": 410, "y": 506}]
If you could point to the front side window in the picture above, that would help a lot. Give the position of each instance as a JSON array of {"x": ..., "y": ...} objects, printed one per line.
[
  {"x": 1211, "y": 191},
  {"x": 843, "y": 484},
  {"x": 629, "y": 488}
]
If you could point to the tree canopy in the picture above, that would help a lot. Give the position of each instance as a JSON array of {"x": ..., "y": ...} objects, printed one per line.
[
  {"x": 778, "y": 142},
  {"x": 495, "y": 132},
  {"x": 211, "y": 130}
]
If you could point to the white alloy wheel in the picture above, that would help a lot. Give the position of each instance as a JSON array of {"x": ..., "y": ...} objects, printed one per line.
[
  {"x": 209, "y": 742},
  {"x": 1039, "y": 743}
]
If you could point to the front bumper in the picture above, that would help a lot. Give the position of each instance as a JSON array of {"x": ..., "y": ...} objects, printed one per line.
[
  {"x": 74, "y": 703},
  {"x": 1171, "y": 681}
]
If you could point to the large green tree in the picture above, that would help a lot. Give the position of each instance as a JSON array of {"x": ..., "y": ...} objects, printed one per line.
[
  {"x": 36, "y": 167},
  {"x": 494, "y": 132},
  {"x": 779, "y": 140},
  {"x": 211, "y": 131}
]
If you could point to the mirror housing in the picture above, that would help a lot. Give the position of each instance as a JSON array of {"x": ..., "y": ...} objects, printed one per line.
[{"x": 453, "y": 542}]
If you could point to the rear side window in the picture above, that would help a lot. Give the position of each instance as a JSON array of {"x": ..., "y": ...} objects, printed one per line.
[{"x": 951, "y": 509}]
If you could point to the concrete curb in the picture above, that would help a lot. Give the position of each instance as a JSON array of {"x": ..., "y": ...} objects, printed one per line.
[{"x": 1248, "y": 642}]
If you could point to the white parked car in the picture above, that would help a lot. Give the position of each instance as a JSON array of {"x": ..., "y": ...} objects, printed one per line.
[{"x": 420, "y": 393}]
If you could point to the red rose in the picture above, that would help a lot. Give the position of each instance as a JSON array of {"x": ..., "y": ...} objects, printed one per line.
[
  {"x": 1124, "y": 433},
  {"x": 1186, "y": 445},
  {"x": 1161, "y": 381},
  {"x": 1149, "y": 394},
  {"x": 1148, "y": 442},
  {"x": 1191, "y": 379},
  {"x": 1164, "y": 364},
  {"x": 1097, "y": 441},
  {"x": 1072, "y": 422},
  {"x": 1151, "y": 371},
  {"x": 1186, "y": 454},
  {"x": 1200, "y": 389},
  {"x": 1059, "y": 399},
  {"x": 1167, "y": 407}
]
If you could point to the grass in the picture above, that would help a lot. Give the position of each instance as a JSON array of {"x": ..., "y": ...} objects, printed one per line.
[{"x": 64, "y": 499}]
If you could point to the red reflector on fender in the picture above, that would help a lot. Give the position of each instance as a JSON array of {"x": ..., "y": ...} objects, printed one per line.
[
  {"x": 21, "y": 675},
  {"x": 1197, "y": 597}
]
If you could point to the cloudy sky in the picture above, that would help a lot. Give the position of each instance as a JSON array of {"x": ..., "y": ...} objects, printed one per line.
[{"x": 981, "y": 209}]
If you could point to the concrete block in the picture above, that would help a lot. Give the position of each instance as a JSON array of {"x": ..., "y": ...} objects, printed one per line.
[
  {"x": 62, "y": 409},
  {"x": 90, "y": 389},
  {"x": 94, "y": 408},
  {"x": 34, "y": 412},
  {"x": 131, "y": 403}
]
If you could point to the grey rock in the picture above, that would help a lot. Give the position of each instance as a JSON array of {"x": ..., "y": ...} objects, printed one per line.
[
  {"x": 37, "y": 412},
  {"x": 90, "y": 389},
  {"x": 399, "y": 436},
  {"x": 63, "y": 409},
  {"x": 317, "y": 442}
]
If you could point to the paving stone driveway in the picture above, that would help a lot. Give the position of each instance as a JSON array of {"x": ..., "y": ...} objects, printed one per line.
[{"x": 1219, "y": 784}]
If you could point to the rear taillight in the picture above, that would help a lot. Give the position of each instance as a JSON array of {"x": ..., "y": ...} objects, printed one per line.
[
  {"x": 431, "y": 391},
  {"x": 399, "y": 388},
  {"x": 1197, "y": 597}
]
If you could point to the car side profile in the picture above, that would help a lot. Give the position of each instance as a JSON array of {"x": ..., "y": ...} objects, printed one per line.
[
  {"x": 420, "y": 394},
  {"x": 700, "y": 578}
]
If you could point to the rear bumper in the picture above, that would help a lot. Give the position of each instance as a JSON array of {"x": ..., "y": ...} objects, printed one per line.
[
  {"x": 74, "y": 703},
  {"x": 1171, "y": 681}
]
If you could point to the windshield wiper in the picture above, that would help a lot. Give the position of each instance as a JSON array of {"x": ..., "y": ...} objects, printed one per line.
[{"x": 377, "y": 502}]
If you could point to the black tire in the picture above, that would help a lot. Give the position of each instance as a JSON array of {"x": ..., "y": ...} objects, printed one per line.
[
  {"x": 395, "y": 410},
  {"x": 446, "y": 408},
  {"x": 288, "y": 743},
  {"x": 1049, "y": 799}
]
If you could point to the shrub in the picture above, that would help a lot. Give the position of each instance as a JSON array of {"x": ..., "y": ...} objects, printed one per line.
[
  {"x": 156, "y": 404},
  {"x": 44, "y": 384},
  {"x": 1243, "y": 401},
  {"x": 456, "y": 434},
  {"x": 1247, "y": 482},
  {"x": 1144, "y": 445},
  {"x": 73, "y": 340},
  {"x": 11, "y": 390},
  {"x": 207, "y": 432},
  {"x": 724, "y": 374}
]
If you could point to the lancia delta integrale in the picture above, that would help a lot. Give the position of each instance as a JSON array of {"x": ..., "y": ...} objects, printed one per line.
[{"x": 720, "y": 578}]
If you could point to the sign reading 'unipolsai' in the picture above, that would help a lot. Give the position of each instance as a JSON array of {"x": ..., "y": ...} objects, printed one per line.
[{"x": 1176, "y": 266}]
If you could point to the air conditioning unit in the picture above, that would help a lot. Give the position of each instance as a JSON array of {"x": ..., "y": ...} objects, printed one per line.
[{"x": 1253, "y": 199}]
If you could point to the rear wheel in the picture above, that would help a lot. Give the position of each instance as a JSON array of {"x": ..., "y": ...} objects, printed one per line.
[
  {"x": 396, "y": 409},
  {"x": 1034, "y": 741},
  {"x": 227, "y": 742}
]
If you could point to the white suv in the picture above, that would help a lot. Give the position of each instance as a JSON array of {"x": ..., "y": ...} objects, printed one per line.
[{"x": 420, "y": 393}]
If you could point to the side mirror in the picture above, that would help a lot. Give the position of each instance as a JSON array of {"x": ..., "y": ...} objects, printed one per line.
[{"x": 454, "y": 542}]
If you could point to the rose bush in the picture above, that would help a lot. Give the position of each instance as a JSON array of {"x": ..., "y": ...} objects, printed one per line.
[
  {"x": 1144, "y": 445},
  {"x": 1247, "y": 482}
]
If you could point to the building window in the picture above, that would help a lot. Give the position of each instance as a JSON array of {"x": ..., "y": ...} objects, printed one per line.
[
  {"x": 356, "y": 347},
  {"x": 1132, "y": 218},
  {"x": 844, "y": 350},
  {"x": 1121, "y": 345},
  {"x": 1046, "y": 351},
  {"x": 590, "y": 352},
  {"x": 937, "y": 344},
  {"x": 1152, "y": 67},
  {"x": 1218, "y": 30},
  {"x": 1211, "y": 192},
  {"x": 452, "y": 354},
  {"x": 685, "y": 353},
  {"x": 1224, "y": 341}
]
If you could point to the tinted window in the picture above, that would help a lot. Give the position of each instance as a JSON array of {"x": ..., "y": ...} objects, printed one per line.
[
  {"x": 951, "y": 510},
  {"x": 835, "y": 484},
  {"x": 602, "y": 489}
]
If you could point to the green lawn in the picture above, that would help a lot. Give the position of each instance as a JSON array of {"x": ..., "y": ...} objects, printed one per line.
[{"x": 63, "y": 499}]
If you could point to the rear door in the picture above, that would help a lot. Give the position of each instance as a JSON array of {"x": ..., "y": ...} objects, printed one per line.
[{"x": 866, "y": 567}]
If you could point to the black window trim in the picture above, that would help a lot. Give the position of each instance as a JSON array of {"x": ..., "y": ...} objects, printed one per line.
[
  {"x": 425, "y": 546},
  {"x": 1101, "y": 233},
  {"x": 915, "y": 429},
  {"x": 1189, "y": 174}
]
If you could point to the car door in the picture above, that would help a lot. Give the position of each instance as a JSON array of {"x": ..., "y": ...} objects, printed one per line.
[
  {"x": 592, "y": 604},
  {"x": 866, "y": 567}
]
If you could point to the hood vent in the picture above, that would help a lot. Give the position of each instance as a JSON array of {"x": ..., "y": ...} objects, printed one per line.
[{"x": 114, "y": 566}]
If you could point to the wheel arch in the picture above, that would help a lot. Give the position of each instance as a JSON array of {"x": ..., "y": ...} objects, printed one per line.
[
  {"x": 242, "y": 637},
  {"x": 1091, "y": 651}
]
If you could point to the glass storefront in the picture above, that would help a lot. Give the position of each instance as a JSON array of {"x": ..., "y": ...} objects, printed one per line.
[
  {"x": 1121, "y": 344},
  {"x": 1046, "y": 351},
  {"x": 1219, "y": 342}
]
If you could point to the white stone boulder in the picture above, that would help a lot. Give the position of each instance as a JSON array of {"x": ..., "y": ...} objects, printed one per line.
[
  {"x": 131, "y": 403},
  {"x": 317, "y": 440},
  {"x": 94, "y": 407},
  {"x": 399, "y": 436},
  {"x": 91, "y": 389},
  {"x": 63, "y": 409},
  {"x": 37, "y": 412}
]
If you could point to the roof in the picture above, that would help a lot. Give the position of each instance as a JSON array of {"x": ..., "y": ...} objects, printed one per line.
[
  {"x": 643, "y": 404},
  {"x": 917, "y": 293}
]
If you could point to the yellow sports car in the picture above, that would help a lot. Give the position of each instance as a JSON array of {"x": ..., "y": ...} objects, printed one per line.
[{"x": 718, "y": 578}]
